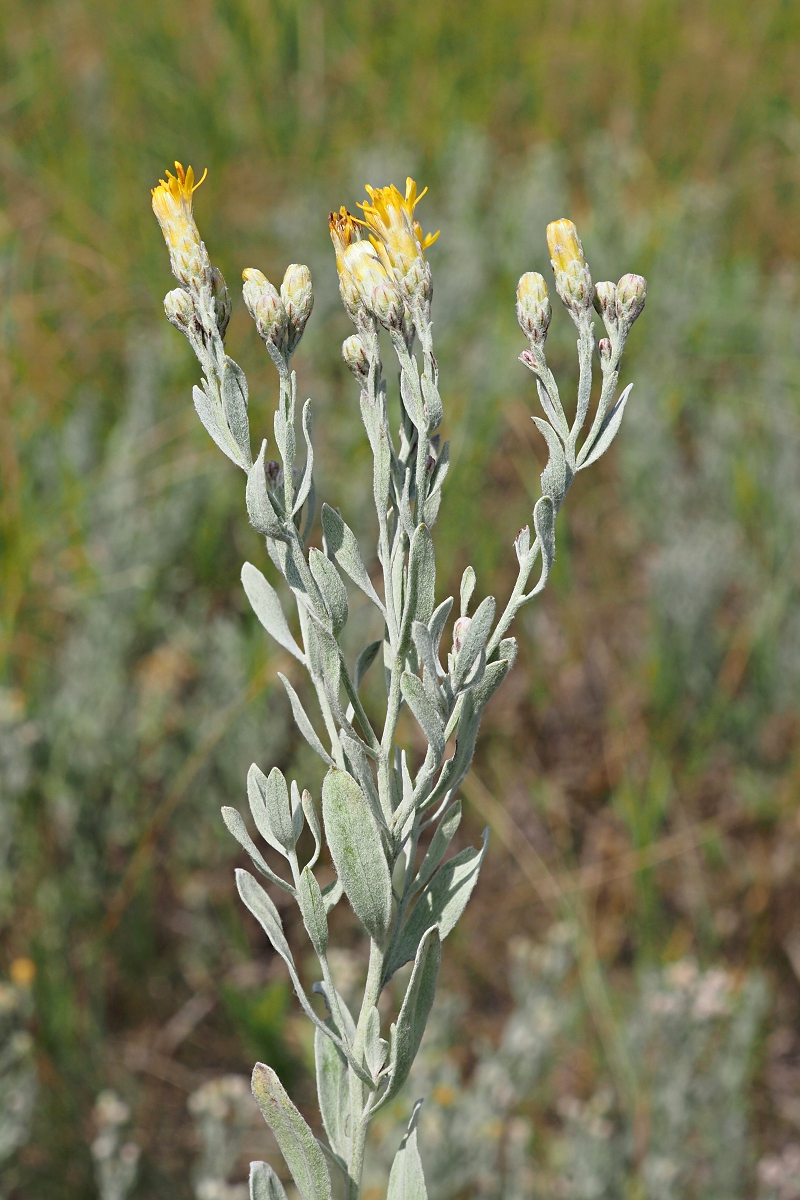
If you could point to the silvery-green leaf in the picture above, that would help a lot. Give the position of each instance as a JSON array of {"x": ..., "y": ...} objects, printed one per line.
[
  {"x": 440, "y": 471},
  {"x": 607, "y": 433},
  {"x": 414, "y": 1011},
  {"x": 256, "y": 795},
  {"x": 556, "y": 477},
  {"x": 330, "y": 585},
  {"x": 298, "y": 1144},
  {"x": 419, "y": 598},
  {"x": 258, "y": 902},
  {"x": 406, "y": 1179},
  {"x": 259, "y": 507},
  {"x": 297, "y": 812},
  {"x": 341, "y": 543},
  {"x": 305, "y": 482},
  {"x": 211, "y": 416},
  {"x": 233, "y": 390},
  {"x": 303, "y": 723},
  {"x": 474, "y": 643},
  {"x": 374, "y": 1046},
  {"x": 312, "y": 910},
  {"x": 364, "y": 661},
  {"x": 382, "y": 471},
  {"x": 310, "y": 812},
  {"x": 508, "y": 650},
  {"x": 544, "y": 518},
  {"x": 265, "y": 603},
  {"x": 445, "y": 832},
  {"x": 360, "y": 770},
  {"x": 236, "y": 826},
  {"x": 438, "y": 622},
  {"x": 357, "y": 851},
  {"x": 468, "y": 581},
  {"x": 426, "y": 714},
  {"x": 333, "y": 1092},
  {"x": 433, "y": 403},
  {"x": 264, "y": 1183},
  {"x": 441, "y": 904},
  {"x": 522, "y": 544},
  {"x": 332, "y": 894}
]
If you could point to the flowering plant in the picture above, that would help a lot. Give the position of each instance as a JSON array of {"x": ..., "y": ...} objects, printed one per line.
[{"x": 387, "y": 821}]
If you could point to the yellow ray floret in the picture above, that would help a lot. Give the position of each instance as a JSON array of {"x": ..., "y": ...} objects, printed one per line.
[
  {"x": 172, "y": 204},
  {"x": 392, "y": 227}
]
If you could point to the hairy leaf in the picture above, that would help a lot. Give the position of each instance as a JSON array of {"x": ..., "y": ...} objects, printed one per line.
[
  {"x": 298, "y": 1144},
  {"x": 357, "y": 851}
]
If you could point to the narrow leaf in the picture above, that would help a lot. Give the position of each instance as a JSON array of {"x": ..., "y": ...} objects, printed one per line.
[
  {"x": 312, "y": 909},
  {"x": 414, "y": 1012},
  {"x": 303, "y": 723},
  {"x": 419, "y": 598},
  {"x": 364, "y": 661},
  {"x": 544, "y": 521},
  {"x": 210, "y": 413},
  {"x": 308, "y": 473},
  {"x": 341, "y": 543},
  {"x": 264, "y": 1183},
  {"x": 236, "y": 826},
  {"x": 445, "y": 832},
  {"x": 259, "y": 506},
  {"x": 406, "y": 1179},
  {"x": 331, "y": 587},
  {"x": 265, "y": 603},
  {"x": 298, "y": 1144},
  {"x": 607, "y": 433},
  {"x": 426, "y": 714}
]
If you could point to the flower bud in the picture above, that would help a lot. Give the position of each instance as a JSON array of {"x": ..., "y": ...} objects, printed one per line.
[
  {"x": 265, "y": 307},
  {"x": 298, "y": 300},
  {"x": 222, "y": 300},
  {"x": 533, "y": 306},
  {"x": 460, "y": 632},
  {"x": 604, "y": 349},
  {"x": 179, "y": 309},
  {"x": 631, "y": 295},
  {"x": 605, "y": 301},
  {"x": 573, "y": 280},
  {"x": 376, "y": 291},
  {"x": 355, "y": 357}
]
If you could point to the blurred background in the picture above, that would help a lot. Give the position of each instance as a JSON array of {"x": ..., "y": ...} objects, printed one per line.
[{"x": 619, "y": 1007}]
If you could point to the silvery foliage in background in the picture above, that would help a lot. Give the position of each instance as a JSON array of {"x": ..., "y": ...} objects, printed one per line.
[
  {"x": 222, "y": 1110},
  {"x": 116, "y": 1159},
  {"x": 690, "y": 1038},
  {"x": 17, "y": 1069},
  {"x": 380, "y": 808}
]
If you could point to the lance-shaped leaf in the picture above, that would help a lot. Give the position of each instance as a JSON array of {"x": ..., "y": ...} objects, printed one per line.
[
  {"x": 606, "y": 434},
  {"x": 474, "y": 642},
  {"x": 341, "y": 543},
  {"x": 357, "y": 851},
  {"x": 312, "y": 909},
  {"x": 442, "y": 903},
  {"x": 419, "y": 598},
  {"x": 556, "y": 477},
  {"x": 308, "y": 473},
  {"x": 259, "y": 506},
  {"x": 265, "y": 603},
  {"x": 269, "y": 804},
  {"x": 264, "y": 1183},
  {"x": 333, "y": 1092},
  {"x": 414, "y": 1012},
  {"x": 303, "y": 722},
  {"x": 331, "y": 587},
  {"x": 427, "y": 716},
  {"x": 236, "y": 826},
  {"x": 406, "y": 1180},
  {"x": 544, "y": 522},
  {"x": 364, "y": 661},
  {"x": 438, "y": 621},
  {"x": 210, "y": 413},
  {"x": 310, "y": 813},
  {"x": 445, "y": 832},
  {"x": 234, "y": 405},
  {"x": 468, "y": 581},
  {"x": 298, "y": 1144}
]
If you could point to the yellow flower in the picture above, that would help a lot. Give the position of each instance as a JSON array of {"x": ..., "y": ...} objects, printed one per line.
[
  {"x": 363, "y": 273},
  {"x": 573, "y": 281},
  {"x": 393, "y": 229},
  {"x": 172, "y": 204}
]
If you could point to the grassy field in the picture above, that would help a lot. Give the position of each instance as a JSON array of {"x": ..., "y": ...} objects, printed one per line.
[{"x": 640, "y": 775}]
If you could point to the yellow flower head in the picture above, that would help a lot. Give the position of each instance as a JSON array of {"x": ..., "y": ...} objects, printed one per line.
[
  {"x": 393, "y": 229},
  {"x": 172, "y": 204},
  {"x": 573, "y": 281},
  {"x": 344, "y": 231}
]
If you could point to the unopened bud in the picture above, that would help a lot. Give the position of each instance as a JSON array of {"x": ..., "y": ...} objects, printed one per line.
[
  {"x": 604, "y": 349},
  {"x": 355, "y": 357},
  {"x": 460, "y": 632},
  {"x": 179, "y": 309},
  {"x": 222, "y": 300},
  {"x": 605, "y": 298},
  {"x": 378, "y": 293},
  {"x": 573, "y": 280},
  {"x": 631, "y": 295},
  {"x": 265, "y": 306},
  {"x": 298, "y": 300},
  {"x": 533, "y": 306}
]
